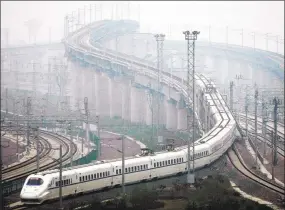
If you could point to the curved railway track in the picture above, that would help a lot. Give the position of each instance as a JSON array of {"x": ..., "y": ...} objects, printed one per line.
[
  {"x": 43, "y": 143},
  {"x": 239, "y": 164},
  {"x": 280, "y": 150},
  {"x": 269, "y": 127},
  {"x": 15, "y": 170},
  {"x": 52, "y": 164},
  {"x": 280, "y": 144},
  {"x": 14, "y": 183}
]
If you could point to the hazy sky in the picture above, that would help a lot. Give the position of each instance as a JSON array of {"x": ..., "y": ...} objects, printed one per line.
[{"x": 257, "y": 16}]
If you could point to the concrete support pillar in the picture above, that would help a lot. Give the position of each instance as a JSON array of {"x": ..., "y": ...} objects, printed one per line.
[
  {"x": 147, "y": 107},
  {"x": 103, "y": 93},
  {"x": 162, "y": 113},
  {"x": 117, "y": 101},
  {"x": 171, "y": 116},
  {"x": 94, "y": 92},
  {"x": 181, "y": 119},
  {"x": 126, "y": 102},
  {"x": 142, "y": 100},
  {"x": 134, "y": 109}
]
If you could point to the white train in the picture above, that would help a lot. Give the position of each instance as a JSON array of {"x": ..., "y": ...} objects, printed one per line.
[{"x": 108, "y": 174}]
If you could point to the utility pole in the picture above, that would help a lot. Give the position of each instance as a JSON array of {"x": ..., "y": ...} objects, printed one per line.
[
  {"x": 123, "y": 165},
  {"x": 264, "y": 121},
  {"x": 191, "y": 36},
  {"x": 150, "y": 103},
  {"x": 17, "y": 148},
  {"x": 255, "y": 122},
  {"x": 87, "y": 123},
  {"x": 28, "y": 124},
  {"x": 98, "y": 134},
  {"x": 6, "y": 100},
  {"x": 60, "y": 177},
  {"x": 246, "y": 118},
  {"x": 36, "y": 131},
  {"x": 71, "y": 146},
  {"x": 272, "y": 164},
  {"x": 159, "y": 39},
  {"x": 231, "y": 95},
  {"x": 275, "y": 103}
]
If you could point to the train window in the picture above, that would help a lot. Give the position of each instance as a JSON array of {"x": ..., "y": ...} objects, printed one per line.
[
  {"x": 104, "y": 174},
  {"x": 120, "y": 171},
  {"x": 146, "y": 166},
  {"x": 174, "y": 161},
  {"x": 91, "y": 176},
  {"x": 168, "y": 162},
  {"x": 94, "y": 176},
  {"x": 34, "y": 181},
  {"x": 154, "y": 164},
  {"x": 141, "y": 167},
  {"x": 108, "y": 173},
  {"x": 126, "y": 170},
  {"x": 117, "y": 171},
  {"x": 56, "y": 184},
  {"x": 83, "y": 178},
  {"x": 101, "y": 175},
  {"x": 182, "y": 159},
  {"x": 80, "y": 179},
  {"x": 88, "y": 177},
  {"x": 171, "y": 161},
  {"x": 132, "y": 169}
]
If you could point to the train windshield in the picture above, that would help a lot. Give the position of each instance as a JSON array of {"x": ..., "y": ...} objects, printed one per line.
[{"x": 35, "y": 181}]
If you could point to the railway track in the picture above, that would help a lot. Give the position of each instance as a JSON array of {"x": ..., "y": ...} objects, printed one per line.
[
  {"x": 280, "y": 144},
  {"x": 15, "y": 170},
  {"x": 268, "y": 126},
  {"x": 14, "y": 183},
  {"x": 239, "y": 164},
  {"x": 280, "y": 150}
]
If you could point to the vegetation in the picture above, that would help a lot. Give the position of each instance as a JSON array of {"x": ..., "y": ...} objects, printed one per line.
[
  {"x": 213, "y": 193},
  {"x": 138, "y": 131}
]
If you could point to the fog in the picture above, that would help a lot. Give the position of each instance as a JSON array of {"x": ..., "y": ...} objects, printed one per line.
[{"x": 170, "y": 18}]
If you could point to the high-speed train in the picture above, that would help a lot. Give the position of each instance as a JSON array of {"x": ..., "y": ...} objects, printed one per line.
[{"x": 76, "y": 180}]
